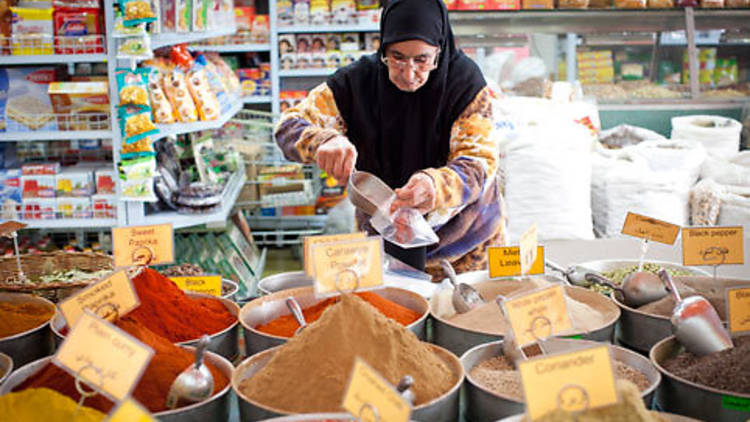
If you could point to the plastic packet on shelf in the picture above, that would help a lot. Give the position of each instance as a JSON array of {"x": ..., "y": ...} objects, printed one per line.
[
  {"x": 131, "y": 86},
  {"x": 137, "y": 11},
  {"x": 205, "y": 99},
  {"x": 138, "y": 168},
  {"x": 161, "y": 108},
  {"x": 138, "y": 190},
  {"x": 405, "y": 227},
  {"x": 120, "y": 30},
  {"x": 135, "y": 123},
  {"x": 175, "y": 86},
  {"x": 135, "y": 48},
  {"x": 138, "y": 149}
]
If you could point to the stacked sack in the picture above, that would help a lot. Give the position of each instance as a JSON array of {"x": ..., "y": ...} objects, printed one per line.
[{"x": 722, "y": 197}]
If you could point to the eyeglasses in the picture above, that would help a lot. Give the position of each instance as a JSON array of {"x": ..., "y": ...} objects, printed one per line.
[{"x": 423, "y": 62}]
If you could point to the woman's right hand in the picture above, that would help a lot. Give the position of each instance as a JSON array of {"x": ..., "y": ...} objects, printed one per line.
[{"x": 337, "y": 157}]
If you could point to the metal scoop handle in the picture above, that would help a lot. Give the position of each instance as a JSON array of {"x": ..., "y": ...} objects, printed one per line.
[
  {"x": 602, "y": 281},
  {"x": 449, "y": 271},
  {"x": 556, "y": 267},
  {"x": 296, "y": 310},
  {"x": 667, "y": 280},
  {"x": 200, "y": 350}
]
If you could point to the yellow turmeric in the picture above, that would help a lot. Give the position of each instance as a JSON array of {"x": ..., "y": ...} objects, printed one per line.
[
  {"x": 43, "y": 404},
  {"x": 17, "y": 317}
]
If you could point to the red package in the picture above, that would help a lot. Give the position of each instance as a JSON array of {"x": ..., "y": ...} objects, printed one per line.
[
  {"x": 181, "y": 57},
  {"x": 78, "y": 30}
]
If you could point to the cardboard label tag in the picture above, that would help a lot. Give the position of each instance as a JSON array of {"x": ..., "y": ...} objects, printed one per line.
[
  {"x": 103, "y": 356},
  {"x": 108, "y": 299},
  {"x": 712, "y": 245},
  {"x": 206, "y": 284},
  {"x": 130, "y": 411},
  {"x": 143, "y": 245},
  {"x": 369, "y": 394},
  {"x": 538, "y": 315},
  {"x": 738, "y": 309},
  {"x": 527, "y": 248},
  {"x": 573, "y": 381},
  {"x": 309, "y": 241},
  {"x": 650, "y": 228},
  {"x": 345, "y": 266},
  {"x": 505, "y": 261},
  {"x": 8, "y": 227}
]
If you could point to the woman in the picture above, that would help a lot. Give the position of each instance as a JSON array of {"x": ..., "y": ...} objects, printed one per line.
[{"x": 417, "y": 114}]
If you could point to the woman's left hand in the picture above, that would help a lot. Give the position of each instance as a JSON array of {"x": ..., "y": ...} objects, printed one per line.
[{"x": 418, "y": 193}]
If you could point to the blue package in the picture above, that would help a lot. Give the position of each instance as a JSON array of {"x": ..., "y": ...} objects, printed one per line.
[{"x": 3, "y": 97}]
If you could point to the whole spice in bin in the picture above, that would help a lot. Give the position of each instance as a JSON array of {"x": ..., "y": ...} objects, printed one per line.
[
  {"x": 151, "y": 391},
  {"x": 38, "y": 404},
  {"x": 498, "y": 375},
  {"x": 287, "y": 325},
  {"x": 310, "y": 371},
  {"x": 19, "y": 317},
  {"x": 726, "y": 370}
]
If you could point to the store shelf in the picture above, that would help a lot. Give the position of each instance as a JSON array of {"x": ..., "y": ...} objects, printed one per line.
[
  {"x": 57, "y": 135},
  {"x": 306, "y": 73},
  {"x": 680, "y": 104},
  {"x": 164, "y": 40},
  {"x": 72, "y": 223},
  {"x": 53, "y": 59},
  {"x": 232, "y": 48},
  {"x": 231, "y": 192},
  {"x": 257, "y": 99},
  {"x": 175, "y": 129},
  {"x": 306, "y": 29},
  {"x": 466, "y": 23}
]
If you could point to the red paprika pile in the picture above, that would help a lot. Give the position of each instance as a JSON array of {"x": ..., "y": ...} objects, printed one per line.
[
  {"x": 151, "y": 391},
  {"x": 286, "y": 325}
]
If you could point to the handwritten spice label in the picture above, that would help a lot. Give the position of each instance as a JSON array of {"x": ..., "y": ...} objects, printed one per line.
[
  {"x": 712, "y": 246},
  {"x": 538, "y": 315},
  {"x": 112, "y": 297},
  {"x": 143, "y": 245},
  {"x": 738, "y": 309},
  {"x": 649, "y": 228},
  {"x": 505, "y": 261},
  {"x": 369, "y": 397},
  {"x": 346, "y": 266},
  {"x": 206, "y": 284},
  {"x": 309, "y": 241}
]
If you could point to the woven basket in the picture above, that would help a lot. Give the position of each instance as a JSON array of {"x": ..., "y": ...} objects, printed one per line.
[{"x": 36, "y": 266}]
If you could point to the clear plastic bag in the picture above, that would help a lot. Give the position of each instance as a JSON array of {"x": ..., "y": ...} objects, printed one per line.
[{"x": 406, "y": 227}]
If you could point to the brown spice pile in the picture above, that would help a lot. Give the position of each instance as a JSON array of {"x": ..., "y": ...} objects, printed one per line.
[
  {"x": 16, "y": 318},
  {"x": 727, "y": 370},
  {"x": 499, "y": 376},
  {"x": 310, "y": 372}
]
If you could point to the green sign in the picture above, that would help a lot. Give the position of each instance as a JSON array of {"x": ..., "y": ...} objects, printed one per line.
[{"x": 735, "y": 403}]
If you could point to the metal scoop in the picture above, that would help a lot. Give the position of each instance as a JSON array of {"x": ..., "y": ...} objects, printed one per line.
[
  {"x": 465, "y": 297},
  {"x": 404, "y": 389},
  {"x": 575, "y": 274},
  {"x": 195, "y": 383},
  {"x": 636, "y": 291},
  {"x": 296, "y": 310},
  {"x": 695, "y": 322}
]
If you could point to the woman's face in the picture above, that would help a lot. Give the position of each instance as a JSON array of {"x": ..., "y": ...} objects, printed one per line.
[{"x": 410, "y": 63}]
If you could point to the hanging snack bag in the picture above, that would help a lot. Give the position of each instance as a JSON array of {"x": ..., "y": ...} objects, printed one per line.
[
  {"x": 131, "y": 87},
  {"x": 161, "y": 108},
  {"x": 205, "y": 99},
  {"x": 138, "y": 149},
  {"x": 137, "y": 179},
  {"x": 137, "y": 11},
  {"x": 136, "y": 123},
  {"x": 200, "y": 15},
  {"x": 184, "y": 15},
  {"x": 175, "y": 86},
  {"x": 215, "y": 83},
  {"x": 138, "y": 47},
  {"x": 180, "y": 56}
]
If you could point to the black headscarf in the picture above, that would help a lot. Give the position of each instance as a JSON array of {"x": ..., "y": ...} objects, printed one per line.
[{"x": 397, "y": 133}]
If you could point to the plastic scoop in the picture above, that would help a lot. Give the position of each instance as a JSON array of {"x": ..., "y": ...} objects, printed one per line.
[
  {"x": 296, "y": 310},
  {"x": 695, "y": 322},
  {"x": 465, "y": 297},
  {"x": 637, "y": 289},
  {"x": 195, "y": 383}
]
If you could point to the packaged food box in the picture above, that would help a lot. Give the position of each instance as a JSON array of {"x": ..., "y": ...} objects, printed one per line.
[
  {"x": 11, "y": 193},
  {"x": 105, "y": 178},
  {"x": 26, "y": 107},
  {"x": 75, "y": 182},
  {"x": 247, "y": 248},
  {"x": 365, "y": 17},
  {"x": 287, "y": 44},
  {"x": 288, "y": 61},
  {"x": 301, "y": 11},
  {"x": 249, "y": 81},
  {"x": 320, "y": 12},
  {"x": 368, "y": 4},
  {"x": 538, "y": 4},
  {"x": 40, "y": 168},
  {"x": 284, "y": 12},
  {"x": 594, "y": 55},
  {"x": 38, "y": 186},
  {"x": 261, "y": 29},
  {"x": 243, "y": 18},
  {"x": 318, "y": 60},
  {"x": 39, "y": 208},
  {"x": 32, "y": 30},
  {"x": 344, "y": 12},
  {"x": 333, "y": 59},
  {"x": 372, "y": 41},
  {"x": 304, "y": 60},
  {"x": 78, "y": 30},
  {"x": 104, "y": 206},
  {"x": 74, "y": 207},
  {"x": 302, "y": 42},
  {"x": 80, "y": 105},
  {"x": 200, "y": 15}
]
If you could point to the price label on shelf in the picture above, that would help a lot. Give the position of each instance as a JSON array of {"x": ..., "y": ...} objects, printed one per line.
[
  {"x": 206, "y": 284},
  {"x": 573, "y": 381},
  {"x": 738, "y": 309},
  {"x": 505, "y": 261},
  {"x": 309, "y": 241},
  {"x": 130, "y": 411},
  {"x": 103, "y": 356},
  {"x": 650, "y": 229},
  {"x": 528, "y": 248},
  {"x": 370, "y": 397},
  {"x": 713, "y": 245},
  {"x": 143, "y": 245},
  {"x": 347, "y": 266},
  {"x": 538, "y": 315},
  {"x": 108, "y": 299}
]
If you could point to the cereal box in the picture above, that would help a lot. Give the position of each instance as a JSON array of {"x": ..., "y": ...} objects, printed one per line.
[
  {"x": 26, "y": 106},
  {"x": 80, "y": 105}
]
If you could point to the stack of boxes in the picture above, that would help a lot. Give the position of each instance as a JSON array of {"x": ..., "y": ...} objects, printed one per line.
[
  {"x": 324, "y": 50},
  {"x": 596, "y": 67},
  {"x": 255, "y": 81},
  {"x": 327, "y": 12},
  {"x": 482, "y": 4}
]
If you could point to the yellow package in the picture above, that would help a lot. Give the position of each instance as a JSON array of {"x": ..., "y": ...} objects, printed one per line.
[
  {"x": 177, "y": 91},
  {"x": 32, "y": 31},
  {"x": 160, "y": 105},
  {"x": 205, "y": 99},
  {"x": 138, "y": 124}
]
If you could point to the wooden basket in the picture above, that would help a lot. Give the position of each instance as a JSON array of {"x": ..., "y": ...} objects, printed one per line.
[{"x": 38, "y": 265}]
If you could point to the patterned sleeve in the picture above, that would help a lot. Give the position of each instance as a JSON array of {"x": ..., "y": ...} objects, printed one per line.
[
  {"x": 472, "y": 162},
  {"x": 304, "y": 127}
]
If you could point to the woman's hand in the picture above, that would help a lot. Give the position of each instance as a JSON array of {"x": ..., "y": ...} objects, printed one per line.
[
  {"x": 337, "y": 157},
  {"x": 418, "y": 193}
]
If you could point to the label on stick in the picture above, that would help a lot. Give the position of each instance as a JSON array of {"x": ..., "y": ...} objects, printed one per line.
[
  {"x": 347, "y": 266},
  {"x": 738, "y": 309},
  {"x": 108, "y": 299},
  {"x": 650, "y": 228},
  {"x": 712, "y": 245},
  {"x": 206, "y": 284},
  {"x": 143, "y": 245},
  {"x": 538, "y": 315},
  {"x": 103, "y": 356},
  {"x": 370, "y": 397},
  {"x": 527, "y": 248},
  {"x": 505, "y": 261},
  {"x": 309, "y": 241},
  {"x": 573, "y": 381}
]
